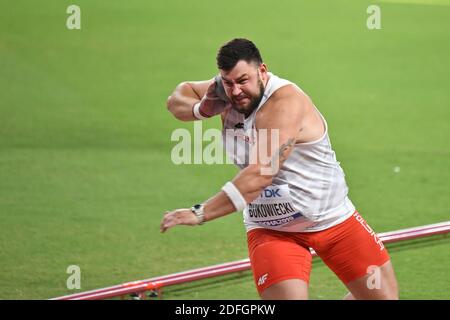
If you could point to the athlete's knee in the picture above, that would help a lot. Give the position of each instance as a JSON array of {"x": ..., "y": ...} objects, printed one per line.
[
  {"x": 291, "y": 289},
  {"x": 392, "y": 295},
  {"x": 392, "y": 292},
  {"x": 390, "y": 281},
  {"x": 388, "y": 292}
]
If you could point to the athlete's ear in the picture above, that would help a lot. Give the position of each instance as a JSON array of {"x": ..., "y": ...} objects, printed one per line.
[{"x": 262, "y": 70}]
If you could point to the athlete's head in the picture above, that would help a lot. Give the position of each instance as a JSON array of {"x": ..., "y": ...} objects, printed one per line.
[{"x": 244, "y": 75}]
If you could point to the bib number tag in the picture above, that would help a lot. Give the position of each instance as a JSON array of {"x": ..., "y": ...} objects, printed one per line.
[{"x": 274, "y": 207}]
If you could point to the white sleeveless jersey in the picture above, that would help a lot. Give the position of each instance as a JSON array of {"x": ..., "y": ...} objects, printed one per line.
[{"x": 308, "y": 194}]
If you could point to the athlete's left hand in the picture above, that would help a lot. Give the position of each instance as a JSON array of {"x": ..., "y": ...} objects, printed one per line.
[{"x": 177, "y": 217}]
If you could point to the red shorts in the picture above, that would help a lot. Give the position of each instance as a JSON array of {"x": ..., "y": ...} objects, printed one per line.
[{"x": 349, "y": 249}]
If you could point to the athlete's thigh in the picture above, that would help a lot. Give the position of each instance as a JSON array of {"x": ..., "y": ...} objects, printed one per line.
[
  {"x": 379, "y": 284},
  {"x": 276, "y": 257},
  {"x": 351, "y": 249}
]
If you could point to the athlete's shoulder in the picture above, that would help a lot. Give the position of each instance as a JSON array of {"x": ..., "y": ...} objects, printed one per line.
[
  {"x": 281, "y": 110},
  {"x": 289, "y": 92},
  {"x": 288, "y": 98}
]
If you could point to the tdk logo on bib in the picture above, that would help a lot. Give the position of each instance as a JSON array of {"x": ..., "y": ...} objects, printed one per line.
[
  {"x": 274, "y": 207},
  {"x": 271, "y": 193}
]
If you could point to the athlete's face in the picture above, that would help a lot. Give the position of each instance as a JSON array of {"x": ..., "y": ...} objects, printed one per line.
[{"x": 244, "y": 85}]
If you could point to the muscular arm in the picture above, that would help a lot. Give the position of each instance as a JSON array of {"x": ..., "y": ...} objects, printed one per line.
[
  {"x": 185, "y": 95},
  {"x": 284, "y": 115}
]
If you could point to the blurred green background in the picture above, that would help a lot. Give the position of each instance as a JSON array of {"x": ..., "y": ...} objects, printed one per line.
[{"x": 85, "y": 168}]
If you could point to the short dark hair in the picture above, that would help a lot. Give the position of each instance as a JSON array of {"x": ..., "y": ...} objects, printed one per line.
[{"x": 235, "y": 50}]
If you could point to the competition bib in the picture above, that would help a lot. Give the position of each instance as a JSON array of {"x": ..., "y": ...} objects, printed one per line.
[{"x": 274, "y": 207}]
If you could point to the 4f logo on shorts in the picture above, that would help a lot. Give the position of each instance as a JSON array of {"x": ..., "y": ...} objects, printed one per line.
[{"x": 262, "y": 279}]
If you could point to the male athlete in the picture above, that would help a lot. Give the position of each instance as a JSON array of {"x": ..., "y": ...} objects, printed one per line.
[{"x": 295, "y": 202}]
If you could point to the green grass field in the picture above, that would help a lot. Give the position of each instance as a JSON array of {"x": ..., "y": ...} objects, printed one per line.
[{"x": 85, "y": 168}]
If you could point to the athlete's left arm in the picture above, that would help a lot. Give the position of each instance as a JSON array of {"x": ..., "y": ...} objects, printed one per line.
[{"x": 284, "y": 116}]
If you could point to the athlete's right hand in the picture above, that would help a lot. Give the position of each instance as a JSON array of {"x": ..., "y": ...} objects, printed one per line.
[
  {"x": 178, "y": 217},
  {"x": 215, "y": 100}
]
